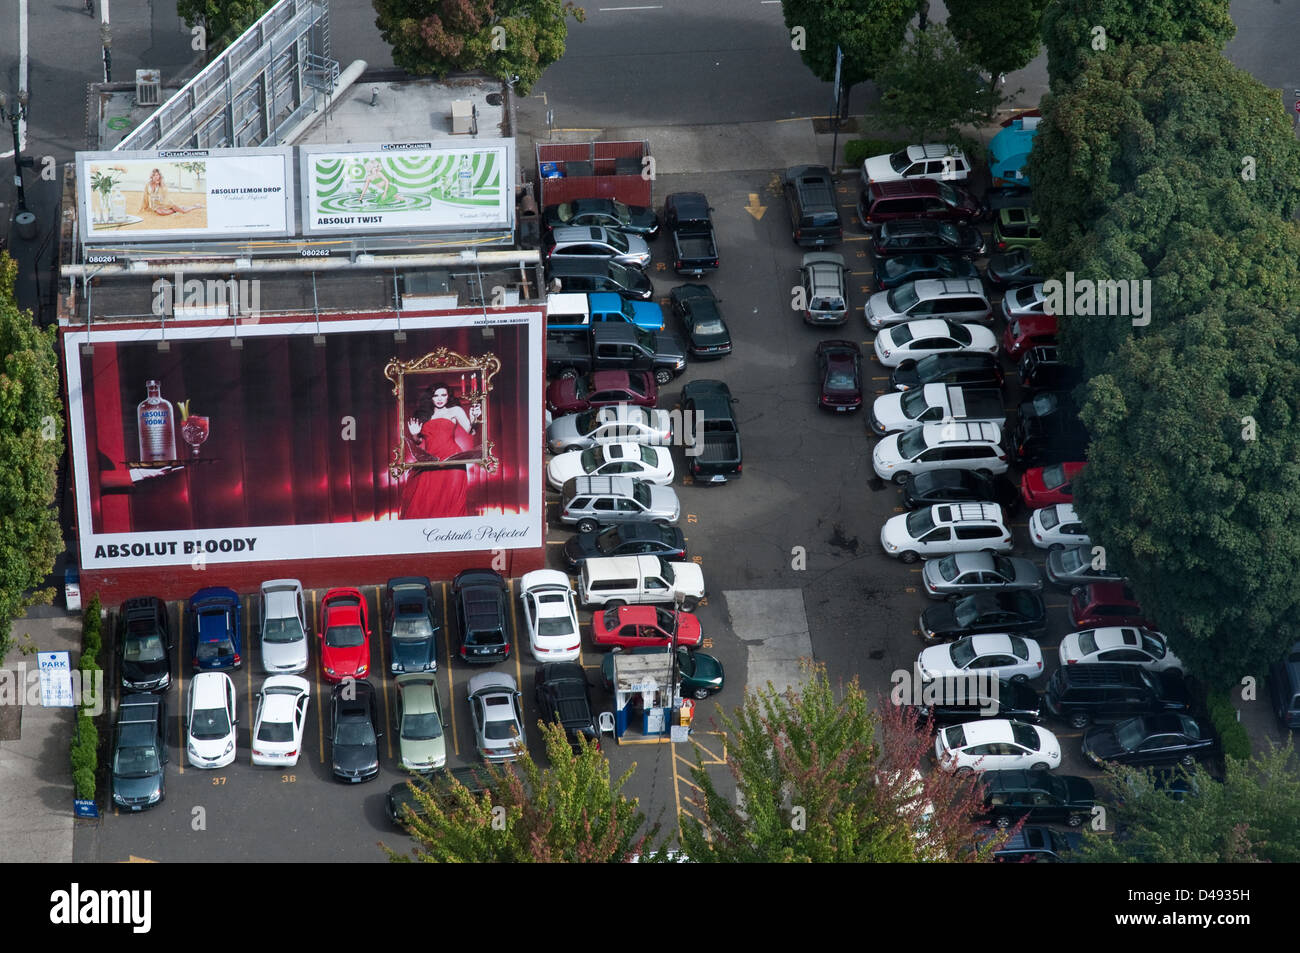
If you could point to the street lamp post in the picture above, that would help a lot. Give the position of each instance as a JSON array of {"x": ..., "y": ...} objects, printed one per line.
[{"x": 15, "y": 116}]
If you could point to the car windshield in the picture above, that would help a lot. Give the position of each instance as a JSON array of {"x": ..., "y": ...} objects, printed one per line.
[
  {"x": 611, "y": 618},
  {"x": 622, "y": 275},
  {"x": 966, "y": 612},
  {"x": 1050, "y": 518},
  {"x": 959, "y": 333},
  {"x": 1129, "y": 734},
  {"x": 616, "y": 240},
  {"x": 423, "y": 727},
  {"x": 903, "y": 298},
  {"x": 1087, "y": 641},
  {"x": 949, "y": 234},
  {"x": 623, "y": 213},
  {"x": 136, "y": 762},
  {"x": 209, "y": 724},
  {"x": 841, "y": 376},
  {"x": 900, "y": 334},
  {"x": 948, "y": 193},
  {"x": 899, "y": 161},
  {"x": 555, "y": 625},
  {"x": 714, "y": 325},
  {"x": 962, "y": 652},
  {"x": 207, "y": 651},
  {"x": 641, "y": 493},
  {"x": 919, "y": 522},
  {"x": 1044, "y": 404},
  {"x": 344, "y": 636},
  {"x": 947, "y": 568},
  {"x": 666, "y": 568},
  {"x": 911, "y": 443},
  {"x": 1073, "y": 560},
  {"x": 1054, "y": 476},
  {"x": 1153, "y": 646},
  {"x": 356, "y": 733},
  {"x": 592, "y": 458},
  {"x": 610, "y": 540},
  {"x": 411, "y": 623},
  {"x": 501, "y": 729},
  {"x": 1004, "y": 567},
  {"x": 1025, "y": 736},
  {"x": 914, "y": 403},
  {"x": 283, "y": 630},
  {"x": 275, "y": 731},
  {"x": 649, "y": 456},
  {"x": 144, "y": 648},
  {"x": 1189, "y": 727}
]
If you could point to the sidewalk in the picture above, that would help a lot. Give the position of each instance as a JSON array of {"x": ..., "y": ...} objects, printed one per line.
[{"x": 37, "y": 822}]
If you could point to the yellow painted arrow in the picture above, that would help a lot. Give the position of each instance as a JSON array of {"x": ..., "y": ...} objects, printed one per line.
[
  {"x": 754, "y": 208},
  {"x": 138, "y": 860}
]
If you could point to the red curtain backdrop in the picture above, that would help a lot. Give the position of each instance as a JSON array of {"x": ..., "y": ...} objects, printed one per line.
[{"x": 299, "y": 434}]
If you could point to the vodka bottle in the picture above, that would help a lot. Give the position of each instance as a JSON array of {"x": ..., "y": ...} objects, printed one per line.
[
  {"x": 465, "y": 176},
  {"x": 156, "y": 425}
]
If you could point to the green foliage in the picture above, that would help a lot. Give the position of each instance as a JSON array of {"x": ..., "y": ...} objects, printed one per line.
[
  {"x": 1070, "y": 30},
  {"x": 92, "y": 639},
  {"x": 821, "y": 779},
  {"x": 856, "y": 150},
  {"x": 999, "y": 35},
  {"x": 569, "y": 812},
  {"x": 223, "y": 20},
  {"x": 31, "y": 441},
  {"x": 930, "y": 87},
  {"x": 85, "y": 756},
  {"x": 1253, "y": 816},
  {"x": 869, "y": 32},
  {"x": 437, "y": 37},
  {"x": 1232, "y": 733}
]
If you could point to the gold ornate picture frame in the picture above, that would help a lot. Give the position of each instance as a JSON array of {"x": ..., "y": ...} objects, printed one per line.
[{"x": 469, "y": 380}]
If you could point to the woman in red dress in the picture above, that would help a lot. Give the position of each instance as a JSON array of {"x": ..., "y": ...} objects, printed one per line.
[{"x": 439, "y": 430}]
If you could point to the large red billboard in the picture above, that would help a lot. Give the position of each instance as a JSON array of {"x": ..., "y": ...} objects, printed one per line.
[{"x": 305, "y": 442}]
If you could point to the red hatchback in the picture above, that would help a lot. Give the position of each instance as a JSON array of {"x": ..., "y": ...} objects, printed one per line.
[
  {"x": 344, "y": 635},
  {"x": 633, "y": 627},
  {"x": 1029, "y": 330},
  {"x": 1046, "y": 486},
  {"x": 839, "y": 364},
  {"x": 1104, "y": 604},
  {"x": 571, "y": 395}
]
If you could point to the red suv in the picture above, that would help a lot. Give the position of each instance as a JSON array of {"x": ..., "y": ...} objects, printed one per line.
[
  {"x": 1106, "y": 603},
  {"x": 1045, "y": 486},
  {"x": 916, "y": 198}
]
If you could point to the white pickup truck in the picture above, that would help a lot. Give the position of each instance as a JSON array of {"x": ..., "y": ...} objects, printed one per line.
[{"x": 936, "y": 404}]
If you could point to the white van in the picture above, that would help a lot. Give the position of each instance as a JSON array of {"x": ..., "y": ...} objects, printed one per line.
[{"x": 611, "y": 581}]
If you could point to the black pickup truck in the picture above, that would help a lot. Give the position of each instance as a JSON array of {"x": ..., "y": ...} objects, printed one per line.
[
  {"x": 712, "y": 438},
  {"x": 695, "y": 249},
  {"x": 563, "y": 696},
  {"x": 615, "y": 346}
]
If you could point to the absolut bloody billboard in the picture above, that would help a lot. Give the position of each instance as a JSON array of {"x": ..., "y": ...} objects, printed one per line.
[{"x": 286, "y": 449}]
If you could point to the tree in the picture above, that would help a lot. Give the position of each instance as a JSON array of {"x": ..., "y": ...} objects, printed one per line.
[
  {"x": 31, "y": 441},
  {"x": 999, "y": 35},
  {"x": 868, "y": 32},
  {"x": 822, "y": 779},
  {"x": 930, "y": 87},
  {"x": 568, "y": 812},
  {"x": 223, "y": 20},
  {"x": 1253, "y": 816},
  {"x": 1078, "y": 31},
  {"x": 513, "y": 40},
  {"x": 1193, "y": 489}
]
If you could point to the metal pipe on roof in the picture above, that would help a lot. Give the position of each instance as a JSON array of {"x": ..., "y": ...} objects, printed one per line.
[{"x": 213, "y": 266}]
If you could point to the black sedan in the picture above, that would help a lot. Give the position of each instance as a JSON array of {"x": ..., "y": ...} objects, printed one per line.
[
  {"x": 959, "y": 368},
  {"x": 1007, "y": 699},
  {"x": 956, "y": 486},
  {"x": 1148, "y": 740},
  {"x": 354, "y": 731},
  {"x": 1012, "y": 270},
  {"x": 892, "y": 272},
  {"x": 409, "y": 607},
  {"x": 839, "y": 367},
  {"x": 696, "y": 308},
  {"x": 609, "y": 213},
  {"x": 626, "y": 539},
  {"x": 927, "y": 236},
  {"x": 1020, "y": 611}
]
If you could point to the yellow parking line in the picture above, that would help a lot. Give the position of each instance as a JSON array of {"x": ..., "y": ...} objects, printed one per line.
[
  {"x": 383, "y": 670},
  {"x": 694, "y": 785},
  {"x": 320, "y": 697},
  {"x": 514, "y": 638},
  {"x": 451, "y": 689},
  {"x": 713, "y": 756},
  {"x": 180, "y": 687},
  {"x": 645, "y": 741},
  {"x": 248, "y": 667}
]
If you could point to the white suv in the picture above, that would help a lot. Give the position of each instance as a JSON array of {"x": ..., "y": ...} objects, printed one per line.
[
  {"x": 958, "y": 299},
  {"x": 929, "y": 161},
  {"x": 950, "y": 446},
  {"x": 946, "y": 528}
]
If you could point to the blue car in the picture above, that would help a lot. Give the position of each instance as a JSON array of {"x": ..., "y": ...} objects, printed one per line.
[{"x": 214, "y": 617}]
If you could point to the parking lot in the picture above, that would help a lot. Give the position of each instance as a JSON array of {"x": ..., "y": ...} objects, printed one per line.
[{"x": 790, "y": 553}]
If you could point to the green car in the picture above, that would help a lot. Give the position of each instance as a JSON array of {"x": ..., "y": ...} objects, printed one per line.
[
  {"x": 400, "y": 798},
  {"x": 701, "y": 675},
  {"x": 421, "y": 738},
  {"x": 1016, "y": 228}
]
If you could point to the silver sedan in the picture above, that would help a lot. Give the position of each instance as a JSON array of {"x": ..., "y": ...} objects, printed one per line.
[
  {"x": 964, "y": 573},
  {"x": 497, "y": 713}
]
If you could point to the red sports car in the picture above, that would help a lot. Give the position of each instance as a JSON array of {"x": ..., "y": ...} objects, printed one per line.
[
  {"x": 1046, "y": 486},
  {"x": 1106, "y": 603},
  {"x": 344, "y": 635},
  {"x": 636, "y": 626},
  {"x": 573, "y": 395}
]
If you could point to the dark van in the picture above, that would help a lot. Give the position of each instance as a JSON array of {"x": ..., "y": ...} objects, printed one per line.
[
  {"x": 1041, "y": 368},
  {"x": 814, "y": 212},
  {"x": 883, "y": 202},
  {"x": 600, "y": 275}
]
